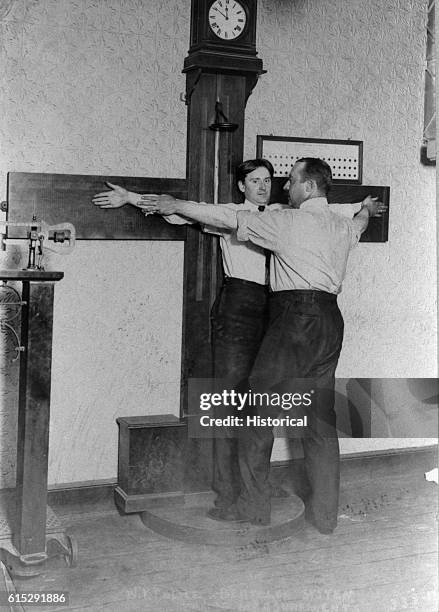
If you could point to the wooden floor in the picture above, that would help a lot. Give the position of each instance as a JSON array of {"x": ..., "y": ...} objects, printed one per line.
[{"x": 382, "y": 557}]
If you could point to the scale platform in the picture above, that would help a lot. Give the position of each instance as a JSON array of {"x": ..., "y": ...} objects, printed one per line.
[{"x": 187, "y": 520}]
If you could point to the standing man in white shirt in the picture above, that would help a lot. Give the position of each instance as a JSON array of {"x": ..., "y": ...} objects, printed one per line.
[
  {"x": 239, "y": 314},
  {"x": 310, "y": 246}
]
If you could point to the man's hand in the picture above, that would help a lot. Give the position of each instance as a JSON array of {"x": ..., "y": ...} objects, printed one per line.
[
  {"x": 162, "y": 204},
  {"x": 117, "y": 197},
  {"x": 374, "y": 206}
]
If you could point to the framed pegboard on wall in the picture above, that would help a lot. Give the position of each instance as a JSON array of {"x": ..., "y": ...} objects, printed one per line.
[{"x": 344, "y": 156}]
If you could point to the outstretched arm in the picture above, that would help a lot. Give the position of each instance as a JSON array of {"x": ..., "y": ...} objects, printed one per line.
[
  {"x": 219, "y": 217},
  {"x": 370, "y": 207},
  {"x": 350, "y": 210},
  {"x": 119, "y": 196}
]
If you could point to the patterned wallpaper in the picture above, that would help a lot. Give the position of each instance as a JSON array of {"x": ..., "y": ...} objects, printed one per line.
[
  {"x": 93, "y": 86},
  {"x": 353, "y": 69}
]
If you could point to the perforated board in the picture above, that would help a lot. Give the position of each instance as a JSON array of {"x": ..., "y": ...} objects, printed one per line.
[{"x": 344, "y": 156}]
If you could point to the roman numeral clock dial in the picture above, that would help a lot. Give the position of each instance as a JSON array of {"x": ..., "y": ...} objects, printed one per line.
[{"x": 227, "y": 19}]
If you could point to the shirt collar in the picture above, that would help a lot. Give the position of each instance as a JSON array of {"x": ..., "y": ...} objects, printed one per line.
[
  {"x": 314, "y": 204},
  {"x": 250, "y": 203}
]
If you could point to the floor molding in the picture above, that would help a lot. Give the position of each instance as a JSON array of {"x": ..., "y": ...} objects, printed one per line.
[{"x": 353, "y": 467}]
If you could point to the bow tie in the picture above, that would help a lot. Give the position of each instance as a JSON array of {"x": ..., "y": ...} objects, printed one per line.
[{"x": 261, "y": 208}]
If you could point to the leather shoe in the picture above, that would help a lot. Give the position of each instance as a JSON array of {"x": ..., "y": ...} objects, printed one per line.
[
  {"x": 310, "y": 518},
  {"x": 229, "y": 514}
]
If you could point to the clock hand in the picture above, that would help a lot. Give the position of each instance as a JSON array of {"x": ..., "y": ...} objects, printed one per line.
[{"x": 225, "y": 17}]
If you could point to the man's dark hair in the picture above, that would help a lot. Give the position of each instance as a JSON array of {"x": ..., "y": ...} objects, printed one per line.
[
  {"x": 252, "y": 164},
  {"x": 319, "y": 171}
]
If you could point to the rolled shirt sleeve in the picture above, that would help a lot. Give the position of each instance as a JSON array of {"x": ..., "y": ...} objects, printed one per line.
[
  {"x": 221, "y": 211},
  {"x": 212, "y": 229},
  {"x": 177, "y": 220},
  {"x": 346, "y": 210},
  {"x": 355, "y": 234},
  {"x": 349, "y": 211}
]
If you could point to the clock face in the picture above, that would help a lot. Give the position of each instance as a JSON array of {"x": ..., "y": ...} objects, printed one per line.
[{"x": 227, "y": 19}]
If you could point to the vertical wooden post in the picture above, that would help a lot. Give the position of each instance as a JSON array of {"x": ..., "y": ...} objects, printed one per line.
[
  {"x": 202, "y": 267},
  {"x": 29, "y": 532}
]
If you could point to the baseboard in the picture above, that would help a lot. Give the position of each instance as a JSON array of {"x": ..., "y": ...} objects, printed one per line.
[
  {"x": 392, "y": 462},
  {"x": 353, "y": 467},
  {"x": 128, "y": 504},
  {"x": 89, "y": 491}
]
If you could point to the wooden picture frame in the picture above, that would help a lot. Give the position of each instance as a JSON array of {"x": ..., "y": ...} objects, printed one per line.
[{"x": 344, "y": 156}]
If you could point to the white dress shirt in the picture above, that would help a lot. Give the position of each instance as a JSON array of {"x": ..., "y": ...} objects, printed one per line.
[
  {"x": 310, "y": 245},
  {"x": 246, "y": 260},
  {"x": 242, "y": 260}
]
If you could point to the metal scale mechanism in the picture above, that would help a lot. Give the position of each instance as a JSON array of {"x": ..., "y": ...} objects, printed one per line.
[{"x": 30, "y": 532}]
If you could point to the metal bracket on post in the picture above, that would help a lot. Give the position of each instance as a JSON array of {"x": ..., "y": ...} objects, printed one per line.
[{"x": 221, "y": 124}]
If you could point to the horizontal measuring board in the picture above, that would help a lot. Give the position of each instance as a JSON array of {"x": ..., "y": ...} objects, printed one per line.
[
  {"x": 67, "y": 198},
  {"x": 61, "y": 198}
]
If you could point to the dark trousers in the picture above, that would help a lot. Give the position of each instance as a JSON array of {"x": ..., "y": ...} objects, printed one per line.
[
  {"x": 239, "y": 319},
  {"x": 303, "y": 340}
]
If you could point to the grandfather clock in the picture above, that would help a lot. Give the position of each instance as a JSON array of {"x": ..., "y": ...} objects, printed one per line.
[{"x": 221, "y": 67}]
